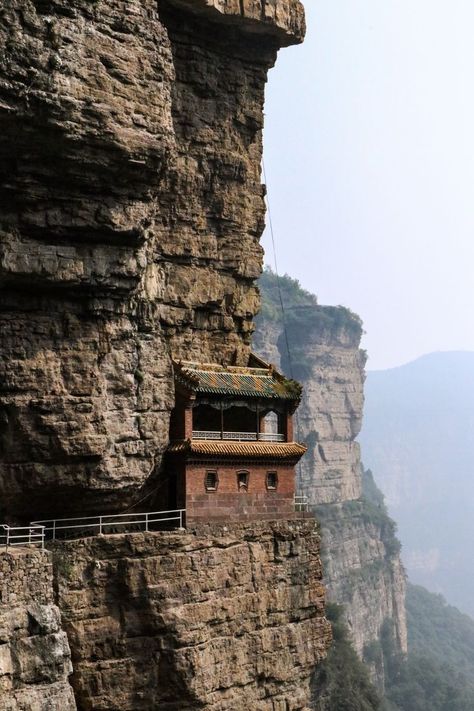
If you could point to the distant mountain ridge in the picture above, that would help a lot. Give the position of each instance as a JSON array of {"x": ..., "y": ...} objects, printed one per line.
[{"x": 418, "y": 438}]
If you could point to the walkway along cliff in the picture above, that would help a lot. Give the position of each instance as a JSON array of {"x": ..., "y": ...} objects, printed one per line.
[{"x": 131, "y": 208}]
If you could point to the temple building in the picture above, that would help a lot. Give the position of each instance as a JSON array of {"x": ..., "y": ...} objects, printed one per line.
[{"x": 232, "y": 453}]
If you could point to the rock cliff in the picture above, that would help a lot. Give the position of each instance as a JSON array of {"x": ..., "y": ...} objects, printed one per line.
[
  {"x": 363, "y": 571},
  {"x": 35, "y": 660},
  {"x": 131, "y": 212},
  {"x": 214, "y": 618}
]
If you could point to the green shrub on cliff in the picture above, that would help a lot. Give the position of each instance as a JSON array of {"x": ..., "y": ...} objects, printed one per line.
[
  {"x": 440, "y": 630},
  {"x": 341, "y": 682},
  {"x": 438, "y": 674},
  {"x": 292, "y": 293},
  {"x": 422, "y": 684},
  {"x": 304, "y": 321}
]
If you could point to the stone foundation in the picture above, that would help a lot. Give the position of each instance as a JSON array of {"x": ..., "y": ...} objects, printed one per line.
[{"x": 222, "y": 618}]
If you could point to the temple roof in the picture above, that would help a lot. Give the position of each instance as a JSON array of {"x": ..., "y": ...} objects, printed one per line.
[
  {"x": 213, "y": 379},
  {"x": 250, "y": 450}
]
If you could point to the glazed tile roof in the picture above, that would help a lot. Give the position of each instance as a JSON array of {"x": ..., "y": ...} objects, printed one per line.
[
  {"x": 250, "y": 450},
  {"x": 211, "y": 379}
]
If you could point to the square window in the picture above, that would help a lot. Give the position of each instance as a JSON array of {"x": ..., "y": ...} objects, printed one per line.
[
  {"x": 272, "y": 481},
  {"x": 211, "y": 481}
]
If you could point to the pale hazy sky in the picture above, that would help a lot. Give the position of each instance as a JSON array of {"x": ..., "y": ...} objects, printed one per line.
[{"x": 369, "y": 151}]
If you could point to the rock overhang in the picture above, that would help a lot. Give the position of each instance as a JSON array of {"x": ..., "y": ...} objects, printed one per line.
[
  {"x": 136, "y": 234},
  {"x": 282, "y": 19}
]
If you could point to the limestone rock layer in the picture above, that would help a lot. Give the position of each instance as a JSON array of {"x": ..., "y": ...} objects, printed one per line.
[
  {"x": 131, "y": 209},
  {"x": 362, "y": 566},
  {"x": 35, "y": 659},
  {"x": 217, "y": 618}
]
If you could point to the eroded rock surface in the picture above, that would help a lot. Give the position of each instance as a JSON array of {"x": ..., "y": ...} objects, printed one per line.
[
  {"x": 363, "y": 572},
  {"x": 35, "y": 660},
  {"x": 131, "y": 209},
  {"x": 362, "y": 566},
  {"x": 216, "y": 618}
]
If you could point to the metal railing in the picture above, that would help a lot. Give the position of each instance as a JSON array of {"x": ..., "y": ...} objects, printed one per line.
[
  {"x": 239, "y": 436},
  {"x": 81, "y": 527},
  {"x": 32, "y": 535},
  {"x": 301, "y": 503}
]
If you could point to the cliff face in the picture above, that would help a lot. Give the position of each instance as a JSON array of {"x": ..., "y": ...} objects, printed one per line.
[
  {"x": 216, "y": 618},
  {"x": 35, "y": 660},
  {"x": 361, "y": 557},
  {"x": 131, "y": 212},
  {"x": 363, "y": 572}
]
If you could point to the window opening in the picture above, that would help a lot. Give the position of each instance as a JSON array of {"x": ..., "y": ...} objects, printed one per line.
[
  {"x": 271, "y": 423},
  {"x": 242, "y": 481},
  {"x": 272, "y": 481},
  {"x": 211, "y": 481}
]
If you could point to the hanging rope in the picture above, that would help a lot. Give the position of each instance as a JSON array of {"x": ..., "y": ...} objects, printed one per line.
[
  {"x": 280, "y": 294},
  {"x": 278, "y": 281}
]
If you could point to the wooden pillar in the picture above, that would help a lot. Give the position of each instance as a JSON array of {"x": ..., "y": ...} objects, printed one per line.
[
  {"x": 222, "y": 420},
  {"x": 188, "y": 420},
  {"x": 289, "y": 427}
]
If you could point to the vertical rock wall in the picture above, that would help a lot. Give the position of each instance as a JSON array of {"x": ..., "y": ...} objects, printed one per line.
[
  {"x": 130, "y": 215},
  {"x": 35, "y": 660},
  {"x": 131, "y": 209},
  {"x": 218, "y": 617},
  {"x": 362, "y": 565}
]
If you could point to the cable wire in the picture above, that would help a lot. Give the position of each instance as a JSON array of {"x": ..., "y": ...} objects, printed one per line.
[
  {"x": 280, "y": 293},
  {"x": 277, "y": 274}
]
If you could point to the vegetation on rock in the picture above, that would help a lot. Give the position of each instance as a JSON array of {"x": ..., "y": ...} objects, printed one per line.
[
  {"x": 439, "y": 630},
  {"x": 361, "y": 552},
  {"x": 296, "y": 311},
  {"x": 342, "y": 682},
  {"x": 434, "y": 676}
]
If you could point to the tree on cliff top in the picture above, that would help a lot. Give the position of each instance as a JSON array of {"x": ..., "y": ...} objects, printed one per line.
[
  {"x": 292, "y": 294},
  {"x": 304, "y": 320}
]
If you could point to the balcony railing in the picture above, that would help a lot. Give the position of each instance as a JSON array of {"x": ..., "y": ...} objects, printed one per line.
[
  {"x": 82, "y": 527},
  {"x": 239, "y": 436},
  {"x": 22, "y": 536}
]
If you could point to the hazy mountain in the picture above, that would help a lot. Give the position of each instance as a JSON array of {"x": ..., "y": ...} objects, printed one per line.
[
  {"x": 418, "y": 438},
  {"x": 438, "y": 674}
]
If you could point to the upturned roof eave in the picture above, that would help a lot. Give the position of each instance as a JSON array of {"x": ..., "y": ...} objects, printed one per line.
[
  {"x": 285, "y": 451},
  {"x": 196, "y": 379}
]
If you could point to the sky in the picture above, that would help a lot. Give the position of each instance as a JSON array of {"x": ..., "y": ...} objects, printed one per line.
[{"x": 369, "y": 156}]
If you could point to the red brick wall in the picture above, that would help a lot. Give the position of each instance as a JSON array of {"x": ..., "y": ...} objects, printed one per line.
[
  {"x": 188, "y": 422},
  {"x": 228, "y": 502},
  {"x": 181, "y": 424}
]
